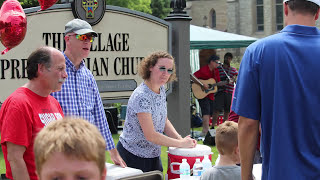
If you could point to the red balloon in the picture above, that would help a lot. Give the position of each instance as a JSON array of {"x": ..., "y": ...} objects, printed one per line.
[
  {"x": 13, "y": 24},
  {"x": 45, "y": 4}
]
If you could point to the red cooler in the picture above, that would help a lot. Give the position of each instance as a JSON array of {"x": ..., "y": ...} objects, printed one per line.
[{"x": 175, "y": 156}]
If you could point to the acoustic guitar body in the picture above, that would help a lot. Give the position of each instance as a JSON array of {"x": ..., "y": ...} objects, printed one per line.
[{"x": 200, "y": 93}]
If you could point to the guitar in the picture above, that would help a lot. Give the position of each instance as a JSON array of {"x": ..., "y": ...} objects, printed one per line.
[{"x": 198, "y": 88}]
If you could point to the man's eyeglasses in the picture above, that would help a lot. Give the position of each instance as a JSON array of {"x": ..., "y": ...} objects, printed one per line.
[
  {"x": 164, "y": 69},
  {"x": 83, "y": 37}
]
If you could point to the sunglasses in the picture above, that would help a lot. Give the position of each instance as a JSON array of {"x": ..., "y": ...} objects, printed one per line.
[
  {"x": 84, "y": 37},
  {"x": 163, "y": 69}
]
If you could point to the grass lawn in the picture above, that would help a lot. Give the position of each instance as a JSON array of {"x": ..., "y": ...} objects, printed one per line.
[{"x": 164, "y": 155}]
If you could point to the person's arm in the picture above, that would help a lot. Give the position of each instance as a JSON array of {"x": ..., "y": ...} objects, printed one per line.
[
  {"x": 102, "y": 124},
  {"x": 116, "y": 158},
  {"x": 100, "y": 120},
  {"x": 247, "y": 137},
  {"x": 145, "y": 120},
  {"x": 15, "y": 157}
]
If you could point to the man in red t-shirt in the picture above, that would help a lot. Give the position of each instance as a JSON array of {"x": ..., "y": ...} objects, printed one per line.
[
  {"x": 30, "y": 108},
  {"x": 206, "y": 104}
]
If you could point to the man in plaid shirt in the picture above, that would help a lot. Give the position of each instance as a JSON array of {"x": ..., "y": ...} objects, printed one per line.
[{"x": 80, "y": 95}]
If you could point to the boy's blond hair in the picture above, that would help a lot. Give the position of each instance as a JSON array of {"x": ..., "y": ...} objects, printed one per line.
[
  {"x": 227, "y": 137},
  {"x": 74, "y": 137}
]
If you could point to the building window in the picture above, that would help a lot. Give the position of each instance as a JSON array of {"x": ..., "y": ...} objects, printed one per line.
[
  {"x": 260, "y": 18},
  {"x": 213, "y": 19},
  {"x": 279, "y": 15}
]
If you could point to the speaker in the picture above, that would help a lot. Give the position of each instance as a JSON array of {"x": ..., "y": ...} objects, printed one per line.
[
  {"x": 209, "y": 139},
  {"x": 112, "y": 117}
]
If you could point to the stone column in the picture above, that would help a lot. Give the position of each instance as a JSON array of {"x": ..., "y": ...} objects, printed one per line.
[
  {"x": 234, "y": 20},
  {"x": 269, "y": 17},
  {"x": 179, "y": 99},
  {"x": 233, "y": 16}
]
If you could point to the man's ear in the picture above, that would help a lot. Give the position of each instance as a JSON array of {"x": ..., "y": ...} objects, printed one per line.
[
  {"x": 66, "y": 38},
  {"x": 237, "y": 151},
  {"x": 104, "y": 173},
  {"x": 317, "y": 15},
  {"x": 285, "y": 9},
  {"x": 41, "y": 68}
]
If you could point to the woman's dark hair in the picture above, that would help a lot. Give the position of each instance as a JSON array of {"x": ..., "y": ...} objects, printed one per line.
[{"x": 40, "y": 56}]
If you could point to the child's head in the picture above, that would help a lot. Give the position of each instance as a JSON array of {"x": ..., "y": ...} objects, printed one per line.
[
  {"x": 227, "y": 138},
  {"x": 71, "y": 147}
]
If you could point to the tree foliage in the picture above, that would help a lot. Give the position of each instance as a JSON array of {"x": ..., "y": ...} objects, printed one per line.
[
  {"x": 160, "y": 8},
  {"x": 137, "y": 5}
]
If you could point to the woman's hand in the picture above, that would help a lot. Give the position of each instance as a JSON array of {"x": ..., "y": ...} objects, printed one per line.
[{"x": 188, "y": 142}]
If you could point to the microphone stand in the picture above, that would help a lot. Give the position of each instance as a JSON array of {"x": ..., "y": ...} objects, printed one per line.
[
  {"x": 191, "y": 108},
  {"x": 221, "y": 65}
]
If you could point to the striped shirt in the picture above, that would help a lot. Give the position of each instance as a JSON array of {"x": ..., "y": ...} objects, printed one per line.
[
  {"x": 232, "y": 72},
  {"x": 80, "y": 97}
]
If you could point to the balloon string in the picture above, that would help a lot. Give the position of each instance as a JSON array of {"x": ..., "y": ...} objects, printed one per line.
[{"x": 5, "y": 51}]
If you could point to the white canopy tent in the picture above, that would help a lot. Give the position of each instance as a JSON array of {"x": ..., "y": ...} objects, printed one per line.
[{"x": 205, "y": 38}]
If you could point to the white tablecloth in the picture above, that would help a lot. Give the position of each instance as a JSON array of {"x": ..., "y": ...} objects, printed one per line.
[{"x": 116, "y": 172}]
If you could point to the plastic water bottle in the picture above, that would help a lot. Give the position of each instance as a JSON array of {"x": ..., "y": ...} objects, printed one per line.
[
  {"x": 197, "y": 168},
  {"x": 206, "y": 163},
  {"x": 184, "y": 169}
]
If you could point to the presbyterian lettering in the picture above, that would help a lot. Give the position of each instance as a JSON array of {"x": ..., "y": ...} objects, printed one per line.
[
  {"x": 16, "y": 68},
  {"x": 99, "y": 66}
]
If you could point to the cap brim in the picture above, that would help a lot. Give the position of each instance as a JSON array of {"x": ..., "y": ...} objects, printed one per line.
[
  {"x": 314, "y": 1},
  {"x": 86, "y": 31}
]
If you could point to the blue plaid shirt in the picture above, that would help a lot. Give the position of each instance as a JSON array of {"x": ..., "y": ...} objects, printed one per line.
[{"x": 80, "y": 97}]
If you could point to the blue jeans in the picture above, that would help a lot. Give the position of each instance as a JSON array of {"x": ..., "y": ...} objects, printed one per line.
[{"x": 145, "y": 164}]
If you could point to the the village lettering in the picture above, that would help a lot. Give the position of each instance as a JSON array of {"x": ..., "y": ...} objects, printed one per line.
[{"x": 110, "y": 42}]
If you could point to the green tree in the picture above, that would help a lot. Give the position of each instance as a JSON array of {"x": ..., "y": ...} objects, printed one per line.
[
  {"x": 137, "y": 5},
  {"x": 27, "y": 3},
  {"x": 160, "y": 8}
]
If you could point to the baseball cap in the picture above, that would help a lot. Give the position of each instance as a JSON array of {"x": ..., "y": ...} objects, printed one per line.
[
  {"x": 213, "y": 58},
  {"x": 79, "y": 26},
  {"x": 314, "y": 1}
]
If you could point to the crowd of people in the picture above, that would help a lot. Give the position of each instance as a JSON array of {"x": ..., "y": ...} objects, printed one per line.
[{"x": 55, "y": 127}]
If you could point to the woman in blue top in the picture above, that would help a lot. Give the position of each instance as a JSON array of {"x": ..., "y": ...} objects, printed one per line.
[{"x": 146, "y": 119}]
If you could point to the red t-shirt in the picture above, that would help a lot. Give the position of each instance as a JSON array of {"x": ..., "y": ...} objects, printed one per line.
[
  {"x": 204, "y": 73},
  {"x": 22, "y": 116}
]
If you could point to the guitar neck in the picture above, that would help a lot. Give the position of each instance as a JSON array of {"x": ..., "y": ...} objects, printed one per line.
[{"x": 196, "y": 80}]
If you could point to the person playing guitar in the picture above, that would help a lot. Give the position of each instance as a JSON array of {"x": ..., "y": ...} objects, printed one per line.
[
  {"x": 209, "y": 71},
  {"x": 224, "y": 95}
]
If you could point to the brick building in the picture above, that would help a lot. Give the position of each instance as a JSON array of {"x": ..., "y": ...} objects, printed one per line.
[{"x": 255, "y": 18}]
